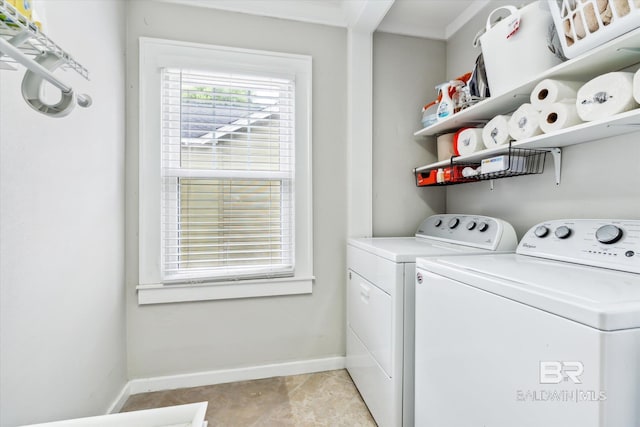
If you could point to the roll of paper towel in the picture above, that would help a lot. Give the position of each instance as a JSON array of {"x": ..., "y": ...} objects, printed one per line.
[
  {"x": 606, "y": 96},
  {"x": 559, "y": 115},
  {"x": 496, "y": 131},
  {"x": 525, "y": 122},
  {"x": 445, "y": 146},
  {"x": 549, "y": 91},
  {"x": 469, "y": 141},
  {"x": 636, "y": 86}
]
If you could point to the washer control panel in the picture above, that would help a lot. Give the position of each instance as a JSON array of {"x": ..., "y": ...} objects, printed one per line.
[
  {"x": 470, "y": 230},
  {"x": 608, "y": 243}
]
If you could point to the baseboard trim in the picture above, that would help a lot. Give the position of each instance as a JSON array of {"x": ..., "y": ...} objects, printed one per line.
[
  {"x": 196, "y": 379},
  {"x": 120, "y": 400}
]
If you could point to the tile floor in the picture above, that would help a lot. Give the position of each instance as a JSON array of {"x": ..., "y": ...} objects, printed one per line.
[{"x": 319, "y": 399}]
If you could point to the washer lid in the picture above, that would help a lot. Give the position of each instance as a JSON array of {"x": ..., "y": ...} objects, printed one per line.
[
  {"x": 598, "y": 297},
  {"x": 406, "y": 249}
]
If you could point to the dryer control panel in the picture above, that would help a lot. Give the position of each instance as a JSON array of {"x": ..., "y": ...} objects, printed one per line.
[
  {"x": 470, "y": 230},
  {"x": 607, "y": 243}
]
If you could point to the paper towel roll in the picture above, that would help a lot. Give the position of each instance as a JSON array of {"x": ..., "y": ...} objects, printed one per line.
[
  {"x": 469, "y": 172},
  {"x": 636, "y": 86},
  {"x": 559, "y": 115},
  {"x": 469, "y": 141},
  {"x": 524, "y": 122},
  {"x": 606, "y": 96},
  {"x": 549, "y": 91},
  {"x": 496, "y": 131},
  {"x": 445, "y": 146}
]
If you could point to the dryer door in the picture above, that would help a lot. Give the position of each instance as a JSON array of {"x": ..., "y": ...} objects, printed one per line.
[{"x": 369, "y": 316}]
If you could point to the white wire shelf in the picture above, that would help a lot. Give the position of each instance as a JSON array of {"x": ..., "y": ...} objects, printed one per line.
[{"x": 23, "y": 34}]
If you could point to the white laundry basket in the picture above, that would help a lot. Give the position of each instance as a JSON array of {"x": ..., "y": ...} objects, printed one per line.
[
  {"x": 516, "y": 48},
  {"x": 585, "y": 24}
]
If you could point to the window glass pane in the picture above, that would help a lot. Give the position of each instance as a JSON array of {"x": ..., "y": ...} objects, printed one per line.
[
  {"x": 227, "y": 121},
  {"x": 228, "y": 156}
]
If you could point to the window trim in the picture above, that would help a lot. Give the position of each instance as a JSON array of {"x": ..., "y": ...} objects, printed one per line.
[{"x": 158, "y": 53}]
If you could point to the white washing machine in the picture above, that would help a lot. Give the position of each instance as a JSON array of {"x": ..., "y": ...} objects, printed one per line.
[
  {"x": 546, "y": 337},
  {"x": 380, "y": 304}
]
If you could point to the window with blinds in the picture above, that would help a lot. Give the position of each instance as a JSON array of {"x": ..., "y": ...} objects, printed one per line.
[{"x": 227, "y": 203}]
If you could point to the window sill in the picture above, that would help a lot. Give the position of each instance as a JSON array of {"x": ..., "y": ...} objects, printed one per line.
[{"x": 162, "y": 294}]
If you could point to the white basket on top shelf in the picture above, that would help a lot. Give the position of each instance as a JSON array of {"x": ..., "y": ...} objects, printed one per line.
[{"x": 585, "y": 24}]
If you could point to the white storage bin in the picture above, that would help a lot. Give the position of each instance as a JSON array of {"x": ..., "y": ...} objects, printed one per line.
[
  {"x": 516, "y": 49},
  {"x": 505, "y": 163},
  {"x": 585, "y": 24}
]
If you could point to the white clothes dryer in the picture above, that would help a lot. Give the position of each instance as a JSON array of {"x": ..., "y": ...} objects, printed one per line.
[
  {"x": 546, "y": 337},
  {"x": 380, "y": 304}
]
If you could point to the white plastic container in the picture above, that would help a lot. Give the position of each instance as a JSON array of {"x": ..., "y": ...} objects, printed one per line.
[
  {"x": 585, "y": 24},
  {"x": 501, "y": 164},
  {"x": 515, "y": 49}
]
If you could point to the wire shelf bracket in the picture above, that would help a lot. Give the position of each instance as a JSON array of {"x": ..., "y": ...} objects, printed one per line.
[
  {"x": 556, "y": 153},
  {"x": 21, "y": 41}
]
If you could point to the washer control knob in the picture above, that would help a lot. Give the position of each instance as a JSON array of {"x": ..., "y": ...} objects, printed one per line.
[
  {"x": 454, "y": 223},
  {"x": 438, "y": 222},
  {"x": 608, "y": 234},
  {"x": 483, "y": 226},
  {"x": 563, "y": 232},
  {"x": 471, "y": 225},
  {"x": 541, "y": 231}
]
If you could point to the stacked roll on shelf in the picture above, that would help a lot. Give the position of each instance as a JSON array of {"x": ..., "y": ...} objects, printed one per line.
[
  {"x": 525, "y": 122},
  {"x": 468, "y": 141},
  {"x": 549, "y": 91},
  {"x": 556, "y": 101},
  {"x": 606, "y": 96},
  {"x": 445, "y": 146},
  {"x": 559, "y": 115},
  {"x": 496, "y": 132}
]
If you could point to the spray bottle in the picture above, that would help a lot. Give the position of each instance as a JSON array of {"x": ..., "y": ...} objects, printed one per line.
[{"x": 445, "y": 104}]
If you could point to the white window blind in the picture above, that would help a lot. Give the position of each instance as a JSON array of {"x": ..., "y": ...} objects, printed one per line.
[{"x": 227, "y": 204}]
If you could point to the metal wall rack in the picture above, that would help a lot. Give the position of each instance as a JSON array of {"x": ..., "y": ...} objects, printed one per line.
[
  {"x": 519, "y": 161},
  {"x": 23, "y": 43}
]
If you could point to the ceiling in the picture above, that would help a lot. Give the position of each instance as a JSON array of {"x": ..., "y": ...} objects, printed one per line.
[{"x": 436, "y": 19}]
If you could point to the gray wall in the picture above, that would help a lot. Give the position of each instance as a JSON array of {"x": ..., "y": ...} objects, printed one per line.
[
  {"x": 600, "y": 179},
  {"x": 405, "y": 73},
  {"x": 194, "y": 337},
  {"x": 62, "y": 302}
]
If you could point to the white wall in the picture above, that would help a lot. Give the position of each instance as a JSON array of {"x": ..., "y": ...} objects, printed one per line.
[
  {"x": 600, "y": 179},
  {"x": 194, "y": 337},
  {"x": 62, "y": 306},
  {"x": 405, "y": 73}
]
